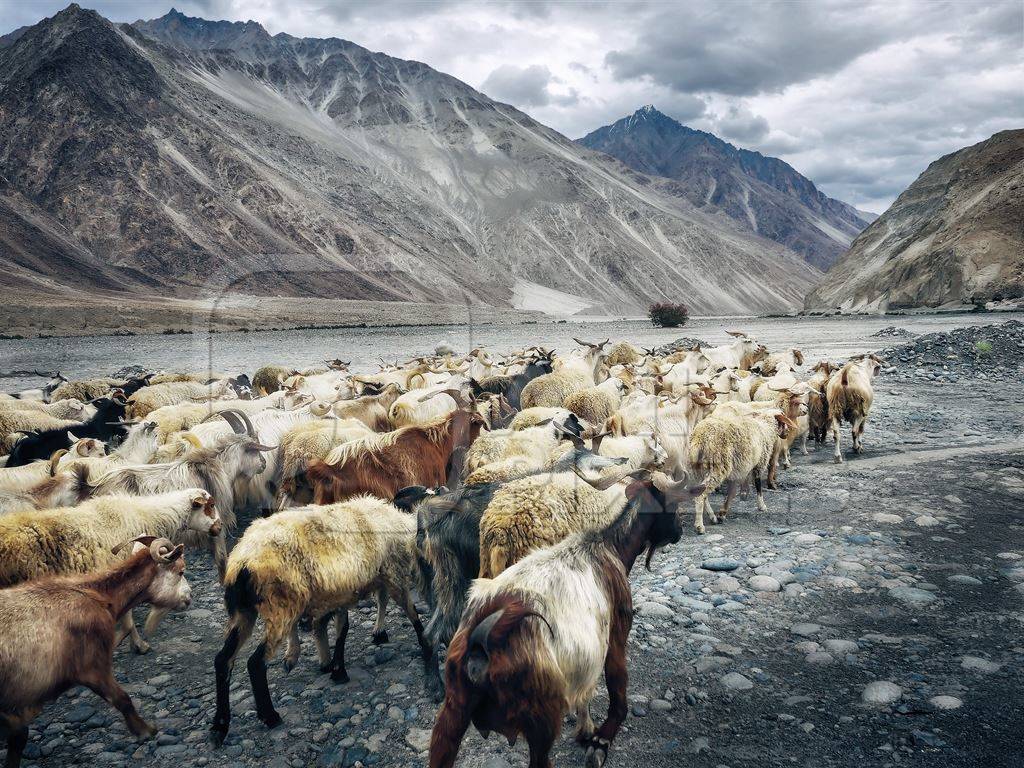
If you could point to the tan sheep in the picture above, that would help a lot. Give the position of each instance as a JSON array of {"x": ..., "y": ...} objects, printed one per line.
[
  {"x": 269, "y": 378},
  {"x": 594, "y": 405},
  {"x": 729, "y": 446},
  {"x": 623, "y": 353},
  {"x": 86, "y": 389}
]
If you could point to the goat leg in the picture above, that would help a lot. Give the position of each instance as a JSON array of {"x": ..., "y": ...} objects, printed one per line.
[
  {"x": 323, "y": 651},
  {"x": 431, "y": 674},
  {"x": 239, "y": 632},
  {"x": 107, "y": 688},
  {"x": 128, "y": 629},
  {"x": 838, "y": 455},
  {"x": 17, "y": 739},
  {"x": 380, "y": 635},
  {"x": 291, "y": 654},
  {"x": 156, "y": 615},
  {"x": 449, "y": 728},
  {"x": 730, "y": 494},
  {"x": 338, "y": 673},
  {"x": 616, "y": 677},
  {"x": 257, "y": 666},
  {"x": 760, "y": 491}
]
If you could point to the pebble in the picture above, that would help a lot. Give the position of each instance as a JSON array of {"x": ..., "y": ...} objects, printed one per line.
[
  {"x": 807, "y": 538},
  {"x": 841, "y": 647},
  {"x": 945, "y": 702},
  {"x": 655, "y": 610},
  {"x": 764, "y": 584},
  {"x": 963, "y": 578},
  {"x": 805, "y": 629},
  {"x": 886, "y": 517},
  {"x": 912, "y": 595},
  {"x": 926, "y": 521},
  {"x": 720, "y": 564},
  {"x": 418, "y": 739},
  {"x": 734, "y": 681},
  {"x": 881, "y": 692},
  {"x": 978, "y": 664}
]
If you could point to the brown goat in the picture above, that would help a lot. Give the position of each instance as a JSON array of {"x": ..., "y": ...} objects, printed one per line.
[
  {"x": 382, "y": 465},
  {"x": 534, "y": 642},
  {"x": 58, "y": 632}
]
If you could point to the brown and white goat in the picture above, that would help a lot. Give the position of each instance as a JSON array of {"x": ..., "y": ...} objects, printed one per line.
[
  {"x": 850, "y": 394},
  {"x": 59, "y": 632},
  {"x": 534, "y": 641}
]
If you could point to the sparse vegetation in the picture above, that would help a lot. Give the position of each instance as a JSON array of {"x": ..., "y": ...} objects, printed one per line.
[
  {"x": 983, "y": 348},
  {"x": 667, "y": 315}
]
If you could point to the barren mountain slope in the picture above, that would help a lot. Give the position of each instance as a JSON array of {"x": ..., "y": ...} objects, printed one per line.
[
  {"x": 760, "y": 194},
  {"x": 955, "y": 236},
  {"x": 190, "y": 157}
]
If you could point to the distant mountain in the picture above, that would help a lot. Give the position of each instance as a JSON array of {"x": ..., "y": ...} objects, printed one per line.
[
  {"x": 185, "y": 157},
  {"x": 761, "y": 194},
  {"x": 955, "y": 236}
]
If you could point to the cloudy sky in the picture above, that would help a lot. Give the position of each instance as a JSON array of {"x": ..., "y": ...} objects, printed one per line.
[{"x": 860, "y": 96}]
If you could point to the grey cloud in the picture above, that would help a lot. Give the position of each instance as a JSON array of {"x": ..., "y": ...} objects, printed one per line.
[
  {"x": 742, "y": 125},
  {"x": 525, "y": 86},
  {"x": 744, "y": 48}
]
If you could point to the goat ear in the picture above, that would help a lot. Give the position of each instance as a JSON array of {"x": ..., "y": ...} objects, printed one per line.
[
  {"x": 479, "y": 648},
  {"x": 408, "y": 496}
]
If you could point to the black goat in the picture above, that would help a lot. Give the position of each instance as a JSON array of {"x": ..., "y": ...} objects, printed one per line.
[
  {"x": 107, "y": 424},
  {"x": 511, "y": 386}
]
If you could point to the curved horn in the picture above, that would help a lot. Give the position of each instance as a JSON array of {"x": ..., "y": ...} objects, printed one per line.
[
  {"x": 236, "y": 419},
  {"x": 163, "y": 551},
  {"x": 144, "y": 540},
  {"x": 56, "y": 457}
]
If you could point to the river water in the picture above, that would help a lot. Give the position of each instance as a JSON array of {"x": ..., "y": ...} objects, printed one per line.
[{"x": 84, "y": 356}]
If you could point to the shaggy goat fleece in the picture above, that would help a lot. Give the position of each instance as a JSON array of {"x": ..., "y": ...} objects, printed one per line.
[{"x": 535, "y": 512}]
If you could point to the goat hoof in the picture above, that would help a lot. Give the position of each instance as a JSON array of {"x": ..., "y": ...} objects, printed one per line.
[
  {"x": 271, "y": 720},
  {"x": 837, "y": 459},
  {"x": 339, "y": 676},
  {"x": 145, "y": 732},
  {"x": 435, "y": 691},
  {"x": 326, "y": 668},
  {"x": 379, "y": 638},
  {"x": 288, "y": 665},
  {"x": 142, "y": 648},
  {"x": 597, "y": 753},
  {"x": 217, "y": 735},
  {"x": 699, "y": 529}
]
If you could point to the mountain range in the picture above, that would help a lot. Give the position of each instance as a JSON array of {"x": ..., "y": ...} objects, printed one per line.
[
  {"x": 762, "y": 195},
  {"x": 953, "y": 238},
  {"x": 181, "y": 157}
]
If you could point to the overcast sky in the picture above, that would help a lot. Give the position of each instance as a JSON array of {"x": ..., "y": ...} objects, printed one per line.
[{"x": 859, "y": 96}]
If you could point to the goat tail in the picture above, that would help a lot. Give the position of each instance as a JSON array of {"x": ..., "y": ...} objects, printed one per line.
[
  {"x": 240, "y": 595},
  {"x": 844, "y": 379}
]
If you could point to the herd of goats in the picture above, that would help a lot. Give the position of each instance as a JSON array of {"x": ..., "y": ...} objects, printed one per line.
[{"x": 511, "y": 495}]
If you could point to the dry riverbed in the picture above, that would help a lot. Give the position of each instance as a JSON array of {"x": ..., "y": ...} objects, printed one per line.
[{"x": 874, "y": 617}]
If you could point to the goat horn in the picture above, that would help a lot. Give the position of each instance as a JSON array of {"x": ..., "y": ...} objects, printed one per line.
[
  {"x": 481, "y": 633},
  {"x": 236, "y": 419},
  {"x": 144, "y": 540},
  {"x": 163, "y": 551}
]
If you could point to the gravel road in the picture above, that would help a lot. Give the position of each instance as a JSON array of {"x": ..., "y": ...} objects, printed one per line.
[{"x": 873, "y": 617}]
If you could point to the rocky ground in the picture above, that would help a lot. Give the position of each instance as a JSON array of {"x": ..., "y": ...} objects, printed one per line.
[
  {"x": 873, "y": 617},
  {"x": 989, "y": 352}
]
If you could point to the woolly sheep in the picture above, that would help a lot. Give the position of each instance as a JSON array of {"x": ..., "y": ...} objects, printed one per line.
[{"x": 729, "y": 446}]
